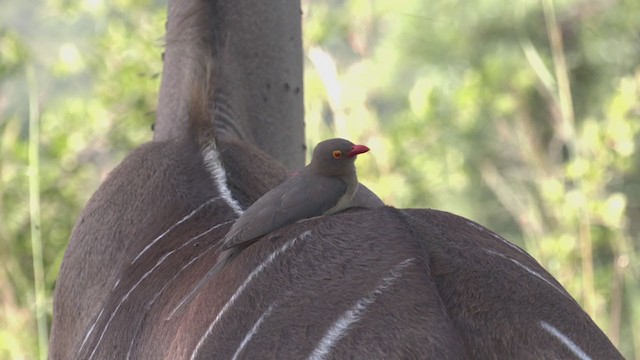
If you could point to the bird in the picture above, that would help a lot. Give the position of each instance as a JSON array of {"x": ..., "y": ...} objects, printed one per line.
[{"x": 327, "y": 185}]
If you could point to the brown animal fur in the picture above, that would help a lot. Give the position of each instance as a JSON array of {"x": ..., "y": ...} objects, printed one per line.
[{"x": 454, "y": 301}]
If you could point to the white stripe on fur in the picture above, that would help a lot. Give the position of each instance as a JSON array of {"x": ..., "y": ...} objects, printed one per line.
[
  {"x": 340, "y": 328},
  {"x": 244, "y": 285},
  {"x": 565, "y": 340},
  {"x": 252, "y": 332},
  {"x": 214, "y": 166},
  {"x": 187, "y": 217}
]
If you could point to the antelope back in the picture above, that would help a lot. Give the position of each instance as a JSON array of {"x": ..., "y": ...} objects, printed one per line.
[
  {"x": 381, "y": 283},
  {"x": 503, "y": 304}
]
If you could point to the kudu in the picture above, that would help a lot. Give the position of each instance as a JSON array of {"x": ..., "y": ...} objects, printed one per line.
[{"x": 372, "y": 284}]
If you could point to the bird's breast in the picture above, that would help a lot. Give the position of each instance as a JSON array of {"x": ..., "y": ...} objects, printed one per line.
[{"x": 344, "y": 202}]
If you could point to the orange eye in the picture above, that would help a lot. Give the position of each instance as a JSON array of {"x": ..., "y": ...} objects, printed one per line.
[{"x": 337, "y": 154}]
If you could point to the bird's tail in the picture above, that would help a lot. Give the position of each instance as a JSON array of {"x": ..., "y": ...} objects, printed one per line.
[{"x": 223, "y": 259}]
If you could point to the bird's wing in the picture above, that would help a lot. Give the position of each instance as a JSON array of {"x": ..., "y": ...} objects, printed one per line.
[
  {"x": 299, "y": 197},
  {"x": 366, "y": 198}
]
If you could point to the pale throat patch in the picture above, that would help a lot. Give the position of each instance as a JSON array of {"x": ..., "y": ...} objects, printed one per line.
[{"x": 345, "y": 200}]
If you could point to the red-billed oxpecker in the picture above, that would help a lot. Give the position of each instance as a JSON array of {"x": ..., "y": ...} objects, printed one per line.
[{"x": 327, "y": 185}]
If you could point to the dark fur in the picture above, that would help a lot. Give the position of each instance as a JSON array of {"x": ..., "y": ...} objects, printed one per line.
[
  {"x": 495, "y": 305},
  {"x": 455, "y": 301},
  {"x": 153, "y": 188}
]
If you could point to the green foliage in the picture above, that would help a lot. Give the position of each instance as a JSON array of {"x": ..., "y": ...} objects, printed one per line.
[{"x": 470, "y": 107}]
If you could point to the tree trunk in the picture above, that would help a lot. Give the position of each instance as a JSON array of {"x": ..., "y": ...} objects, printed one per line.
[{"x": 257, "y": 81}]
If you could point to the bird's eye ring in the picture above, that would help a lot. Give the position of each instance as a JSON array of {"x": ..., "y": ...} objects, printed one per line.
[{"x": 337, "y": 154}]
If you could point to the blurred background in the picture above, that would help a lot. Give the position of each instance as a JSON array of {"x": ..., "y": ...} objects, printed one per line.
[{"x": 523, "y": 116}]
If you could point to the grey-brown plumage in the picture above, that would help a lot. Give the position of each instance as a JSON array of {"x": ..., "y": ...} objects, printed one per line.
[
  {"x": 326, "y": 186},
  {"x": 366, "y": 198}
]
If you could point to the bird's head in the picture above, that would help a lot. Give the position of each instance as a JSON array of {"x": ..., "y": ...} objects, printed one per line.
[{"x": 335, "y": 157}]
